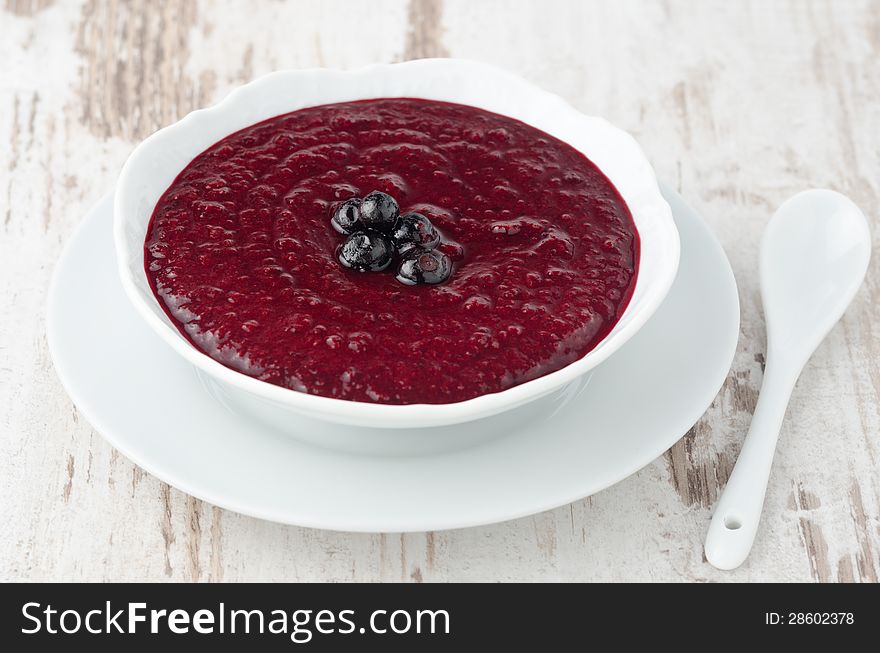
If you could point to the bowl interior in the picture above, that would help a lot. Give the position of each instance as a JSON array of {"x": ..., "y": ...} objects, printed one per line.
[{"x": 157, "y": 161}]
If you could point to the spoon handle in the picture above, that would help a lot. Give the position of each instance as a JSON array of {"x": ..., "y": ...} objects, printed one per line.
[{"x": 738, "y": 512}]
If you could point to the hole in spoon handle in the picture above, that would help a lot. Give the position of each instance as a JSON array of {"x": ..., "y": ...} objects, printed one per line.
[
  {"x": 730, "y": 538},
  {"x": 732, "y": 523}
]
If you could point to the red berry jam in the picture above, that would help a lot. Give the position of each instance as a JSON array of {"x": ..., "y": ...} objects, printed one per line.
[{"x": 241, "y": 253}]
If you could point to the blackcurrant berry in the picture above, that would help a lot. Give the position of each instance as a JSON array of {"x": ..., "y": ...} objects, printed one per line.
[
  {"x": 366, "y": 251},
  {"x": 414, "y": 229},
  {"x": 379, "y": 211},
  {"x": 347, "y": 216},
  {"x": 420, "y": 265}
]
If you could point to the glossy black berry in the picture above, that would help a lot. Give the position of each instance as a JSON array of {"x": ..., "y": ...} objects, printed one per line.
[
  {"x": 366, "y": 251},
  {"x": 420, "y": 265},
  {"x": 379, "y": 211},
  {"x": 414, "y": 230},
  {"x": 347, "y": 216}
]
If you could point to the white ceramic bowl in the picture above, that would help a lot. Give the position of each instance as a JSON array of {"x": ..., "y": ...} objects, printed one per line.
[{"x": 155, "y": 163}]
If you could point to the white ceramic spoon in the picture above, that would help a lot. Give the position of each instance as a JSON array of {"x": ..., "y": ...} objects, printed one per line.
[{"x": 814, "y": 256}]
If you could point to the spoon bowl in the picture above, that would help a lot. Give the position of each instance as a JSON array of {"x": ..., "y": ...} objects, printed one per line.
[{"x": 814, "y": 256}]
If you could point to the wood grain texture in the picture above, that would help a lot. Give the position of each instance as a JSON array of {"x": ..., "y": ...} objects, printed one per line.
[{"x": 738, "y": 104}]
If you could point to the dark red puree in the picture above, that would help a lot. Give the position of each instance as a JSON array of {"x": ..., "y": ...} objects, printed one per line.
[{"x": 241, "y": 253}]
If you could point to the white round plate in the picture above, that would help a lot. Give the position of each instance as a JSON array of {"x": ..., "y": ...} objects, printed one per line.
[{"x": 155, "y": 409}]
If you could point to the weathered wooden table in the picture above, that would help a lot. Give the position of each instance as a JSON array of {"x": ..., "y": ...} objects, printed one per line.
[{"x": 738, "y": 104}]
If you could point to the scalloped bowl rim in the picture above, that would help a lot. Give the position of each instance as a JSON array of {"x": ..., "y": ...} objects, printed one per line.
[{"x": 151, "y": 168}]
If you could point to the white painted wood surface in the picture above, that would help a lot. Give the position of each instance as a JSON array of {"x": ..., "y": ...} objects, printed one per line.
[{"x": 738, "y": 104}]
